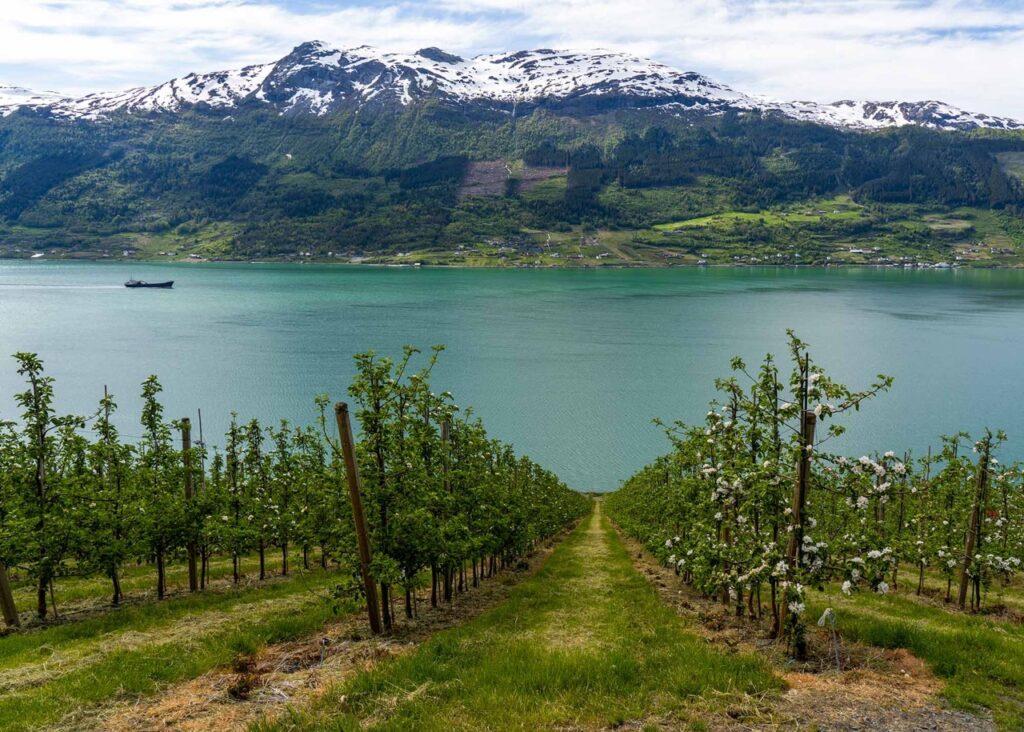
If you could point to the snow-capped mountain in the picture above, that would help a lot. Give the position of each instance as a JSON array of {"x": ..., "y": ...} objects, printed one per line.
[
  {"x": 317, "y": 79},
  {"x": 12, "y": 97}
]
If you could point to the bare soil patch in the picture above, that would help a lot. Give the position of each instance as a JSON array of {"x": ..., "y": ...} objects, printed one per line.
[
  {"x": 491, "y": 177},
  {"x": 530, "y": 176},
  {"x": 485, "y": 178}
]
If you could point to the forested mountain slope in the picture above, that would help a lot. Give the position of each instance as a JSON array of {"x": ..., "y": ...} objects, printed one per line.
[{"x": 363, "y": 153}]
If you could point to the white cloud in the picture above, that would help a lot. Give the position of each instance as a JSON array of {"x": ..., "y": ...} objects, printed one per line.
[{"x": 970, "y": 53}]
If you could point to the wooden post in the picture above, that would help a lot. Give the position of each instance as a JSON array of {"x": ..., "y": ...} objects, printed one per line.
[
  {"x": 796, "y": 536},
  {"x": 354, "y": 491},
  {"x": 186, "y": 453},
  {"x": 10, "y": 610},
  {"x": 794, "y": 552},
  {"x": 972, "y": 533}
]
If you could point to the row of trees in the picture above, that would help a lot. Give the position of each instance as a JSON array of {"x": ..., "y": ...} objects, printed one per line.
[
  {"x": 76, "y": 499},
  {"x": 750, "y": 507}
]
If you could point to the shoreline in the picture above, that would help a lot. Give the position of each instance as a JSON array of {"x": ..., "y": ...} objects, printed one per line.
[{"x": 337, "y": 262}]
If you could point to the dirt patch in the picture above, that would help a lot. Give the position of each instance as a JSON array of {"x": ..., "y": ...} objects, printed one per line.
[
  {"x": 900, "y": 697},
  {"x": 485, "y": 178},
  {"x": 495, "y": 177},
  {"x": 876, "y": 689},
  {"x": 1004, "y": 612},
  {"x": 294, "y": 674},
  {"x": 530, "y": 176}
]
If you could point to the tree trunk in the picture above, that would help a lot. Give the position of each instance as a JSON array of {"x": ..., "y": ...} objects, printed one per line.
[
  {"x": 44, "y": 580},
  {"x": 10, "y": 610},
  {"x": 385, "y": 601},
  {"x": 161, "y": 577},
  {"x": 116, "y": 581}
]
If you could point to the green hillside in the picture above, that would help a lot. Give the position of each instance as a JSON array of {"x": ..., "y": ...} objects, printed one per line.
[{"x": 439, "y": 185}]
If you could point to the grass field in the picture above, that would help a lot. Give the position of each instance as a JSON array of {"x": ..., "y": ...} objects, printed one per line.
[
  {"x": 50, "y": 673},
  {"x": 823, "y": 211},
  {"x": 979, "y": 657},
  {"x": 597, "y": 638},
  {"x": 76, "y": 595},
  {"x": 585, "y": 644}
]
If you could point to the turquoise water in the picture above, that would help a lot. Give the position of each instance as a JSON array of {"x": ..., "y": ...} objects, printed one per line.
[{"x": 570, "y": 366}]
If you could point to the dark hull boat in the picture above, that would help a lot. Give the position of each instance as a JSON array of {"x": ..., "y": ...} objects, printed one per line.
[{"x": 139, "y": 283}]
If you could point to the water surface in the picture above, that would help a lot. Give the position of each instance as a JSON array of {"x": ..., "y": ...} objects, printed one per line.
[{"x": 570, "y": 366}]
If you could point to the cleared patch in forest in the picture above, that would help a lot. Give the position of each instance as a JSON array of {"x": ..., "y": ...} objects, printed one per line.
[{"x": 498, "y": 177}]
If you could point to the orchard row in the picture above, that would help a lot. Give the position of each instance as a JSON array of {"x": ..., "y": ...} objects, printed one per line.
[
  {"x": 751, "y": 507},
  {"x": 439, "y": 494}
]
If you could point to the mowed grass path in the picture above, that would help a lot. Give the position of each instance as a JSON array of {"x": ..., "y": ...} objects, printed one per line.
[{"x": 585, "y": 643}]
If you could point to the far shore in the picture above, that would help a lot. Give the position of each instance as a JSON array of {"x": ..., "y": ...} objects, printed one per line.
[{"x": 394, "y": 262}]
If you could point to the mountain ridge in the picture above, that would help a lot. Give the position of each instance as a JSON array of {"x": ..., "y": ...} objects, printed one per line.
[{"x": 318, "y": 79}]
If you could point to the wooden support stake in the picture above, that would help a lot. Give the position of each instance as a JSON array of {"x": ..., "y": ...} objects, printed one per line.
[
  {"x": 186, "y": 453},
  {"x": 976, "y": 509},
  {"x": 10, "y": 610},
  {"x": 354, "y": 491},
  {"x": 796, "y": 536},
  {"x": 794, "y": 552}
]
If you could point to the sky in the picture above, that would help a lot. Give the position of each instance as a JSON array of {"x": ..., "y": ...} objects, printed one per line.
[{"x": 967, "y": 52}]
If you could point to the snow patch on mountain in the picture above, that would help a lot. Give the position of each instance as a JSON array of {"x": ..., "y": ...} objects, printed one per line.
[
  {"x": 318, "y": 79},
  {"x": 878, "y": 115},
  {"x": 12, "y": 97}
]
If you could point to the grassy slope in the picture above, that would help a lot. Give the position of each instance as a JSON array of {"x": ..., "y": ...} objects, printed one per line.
[
  {"x": 980, "y": 658},
  {"x": 585, "y": 643},
  {"x": 50, "y": 673},
  {"x": 657, "y": 226}
]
